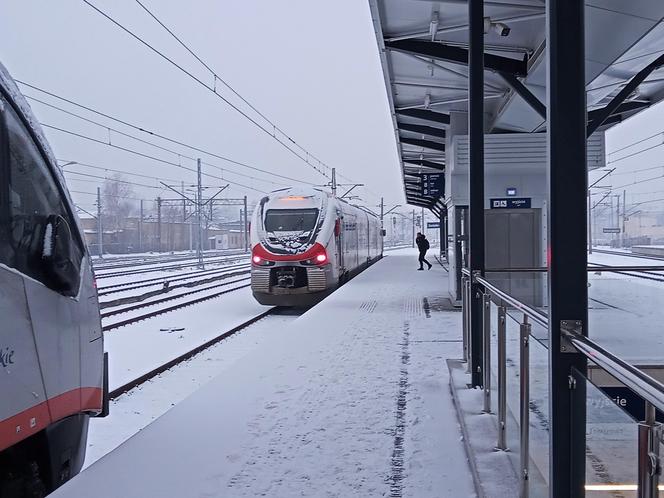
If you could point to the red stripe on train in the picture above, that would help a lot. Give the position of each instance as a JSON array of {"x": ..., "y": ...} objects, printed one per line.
[
  {"x": 28, "y": 422},
  {"x": 259, "y": 250}
]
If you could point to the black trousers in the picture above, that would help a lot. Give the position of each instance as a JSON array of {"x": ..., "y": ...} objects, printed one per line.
[{"x": 422, "y": 259}]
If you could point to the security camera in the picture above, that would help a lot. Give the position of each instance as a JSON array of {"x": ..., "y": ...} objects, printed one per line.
[{"x": 501, "y": 28}]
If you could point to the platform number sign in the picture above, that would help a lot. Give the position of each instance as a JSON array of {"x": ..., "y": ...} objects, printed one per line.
[{"x": 433, "y": 184}]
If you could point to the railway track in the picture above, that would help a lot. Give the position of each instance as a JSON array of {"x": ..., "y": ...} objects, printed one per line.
[
  {"x": 119, "y": 391},
  {"x": 152, "y": 282},
  {"x": 627, "y": 255},
  {"x": 152, "y": 260},
  {"x": 131, "y": 272},
  {"x": 167, "y": 309}
]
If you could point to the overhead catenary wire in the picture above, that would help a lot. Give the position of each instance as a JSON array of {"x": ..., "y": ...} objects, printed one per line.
[
  {"x": 270, "y": 132},
  {"x": 157, "y": 135},
  {"x": 147, "y": 156}
]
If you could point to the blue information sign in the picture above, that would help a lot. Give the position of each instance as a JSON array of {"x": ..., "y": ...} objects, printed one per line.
[
  {"x": 433, "y": 224},
  {"x": 511, "y": 203}
]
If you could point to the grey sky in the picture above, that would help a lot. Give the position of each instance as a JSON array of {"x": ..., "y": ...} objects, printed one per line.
[{"x": 310, "y": 66}]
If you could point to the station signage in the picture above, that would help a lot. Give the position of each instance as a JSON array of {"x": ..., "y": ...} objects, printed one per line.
[
  {"x": 511, "y": 203},
  {"x": 611, "y": 230},
  {"x": 624, "y": 398},
  {"x": 433, "y": 224},
  {"x": 433, "y": 184}
]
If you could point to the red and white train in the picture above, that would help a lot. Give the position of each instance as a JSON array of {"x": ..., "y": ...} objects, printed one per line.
[
  {"x": 307, "y": 242},
  {"x": 52, "y": 364}
]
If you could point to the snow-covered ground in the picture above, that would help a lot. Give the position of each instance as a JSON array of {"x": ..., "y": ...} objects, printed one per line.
[
  {"x": 350, "y": 399},
  {"x": 139, "y": 407},
  {"x": 138, "y": 348}
]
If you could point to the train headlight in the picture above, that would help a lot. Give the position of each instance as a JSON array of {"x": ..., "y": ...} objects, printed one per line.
[
  {"x": 259, "y": 260},
  {"x": 319, "y": 259}
]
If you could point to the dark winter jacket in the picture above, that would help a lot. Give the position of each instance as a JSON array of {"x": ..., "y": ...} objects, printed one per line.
[{"x": 422, "y": 243}]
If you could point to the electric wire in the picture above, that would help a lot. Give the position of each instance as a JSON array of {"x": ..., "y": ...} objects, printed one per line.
[
  {"x": 143, "y": 130},
  {"x": 271, "y": 133},
  {"x": 147, "y": 156}
]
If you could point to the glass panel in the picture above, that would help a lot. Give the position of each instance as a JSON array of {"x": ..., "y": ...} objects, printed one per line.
[
  {"x": 290, "y": 220},
  {"x": 611, "y": 445},
  {"x": 539, "y": 414},
  {"x": 626, "y": 304}
]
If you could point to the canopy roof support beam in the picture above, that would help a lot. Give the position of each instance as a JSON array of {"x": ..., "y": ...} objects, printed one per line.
[
  {"x": 422, "y": 129},
  {"x": 426, "y": 115},
  {"x": 567, "y": 256},
  {"x": 633, "y": 84},
  {"x": 524, "y": 93},
  {"x": 426, "y": 164},
  {"x": 440, "y": 51},
  {"x": 429, "y": 144}
]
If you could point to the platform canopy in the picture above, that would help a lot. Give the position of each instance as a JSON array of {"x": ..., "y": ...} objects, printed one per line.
[{"x": 424, "y": 52}]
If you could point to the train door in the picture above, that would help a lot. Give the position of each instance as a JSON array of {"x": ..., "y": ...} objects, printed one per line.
[
  {"x": 339, "y": 240},
  {"x": 45, "y": 245}
]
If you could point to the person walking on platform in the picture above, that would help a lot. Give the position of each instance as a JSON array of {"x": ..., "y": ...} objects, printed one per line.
[{"x": 423, "y": 246}]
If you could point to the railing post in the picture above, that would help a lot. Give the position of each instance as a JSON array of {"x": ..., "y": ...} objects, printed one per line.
[
  {"x": 469, "y": 341},
  {"x": 524, "y": 404},
  {"x": 464, "y": 313},
  {"x": 650, "y": 433},
  {"x": 486, "y": 349},
  {"x": 502, "y": 378}
]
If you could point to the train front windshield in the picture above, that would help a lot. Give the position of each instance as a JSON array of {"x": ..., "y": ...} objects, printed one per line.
[{"x": 290, "y": 220}]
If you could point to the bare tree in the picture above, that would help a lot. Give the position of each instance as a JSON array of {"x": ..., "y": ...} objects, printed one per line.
[{"x": 117, "y": 205}]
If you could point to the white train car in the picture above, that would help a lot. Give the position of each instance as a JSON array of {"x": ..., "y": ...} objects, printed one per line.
[
  {"x": 307, "y": 242},
  {"x": 52, "y": 364}
]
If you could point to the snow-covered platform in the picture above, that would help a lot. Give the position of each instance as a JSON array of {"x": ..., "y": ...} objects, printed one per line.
[{"x": 351, "y": 399}]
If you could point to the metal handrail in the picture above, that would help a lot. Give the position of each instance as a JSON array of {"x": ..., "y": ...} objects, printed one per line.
[
  {"x": 641, "y": 383},
  {"x": 538, "y": 316},
  {"x": 592, "y": 267}
]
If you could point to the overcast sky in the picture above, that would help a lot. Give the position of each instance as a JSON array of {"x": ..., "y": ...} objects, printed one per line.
[{"x": 310, "y": 66}]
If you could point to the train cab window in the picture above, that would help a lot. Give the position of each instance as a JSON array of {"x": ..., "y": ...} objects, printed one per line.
[
  {"x": 29, "y": 198},
  {"x": 290, "y": 220}
]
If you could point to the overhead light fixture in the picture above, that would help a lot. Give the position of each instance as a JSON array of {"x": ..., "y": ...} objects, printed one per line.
[{"x": 500, "y": 28}]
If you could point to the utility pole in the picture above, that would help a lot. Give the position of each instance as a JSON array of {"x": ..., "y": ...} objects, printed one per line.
[
  {"x": 618, "y": 216},
  {"x": 184, "y": 216},
  {"x": 199, "y": 206},
  {"x": 334, "y": 182},
  {"x": 382, "y": 213},
  {"x": 413, "y": 239},
  {"x": 140, "y": 229},
  {"x": 100, "y": 233},
  {"x": 158, "y": 224},
  {"x": 246, "y": 227},
  {"x": 624, "y": 216},
  {"x": 590, "y": 229}
]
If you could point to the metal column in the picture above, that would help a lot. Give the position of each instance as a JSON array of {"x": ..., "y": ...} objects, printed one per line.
[
  {"x": 567, "y": 277},
  {"x": 476, "y": 179},
  {"x": 100, "y": 229},
  {"x": 246, "y": 227},
  {"x": 158, "y": 224}
]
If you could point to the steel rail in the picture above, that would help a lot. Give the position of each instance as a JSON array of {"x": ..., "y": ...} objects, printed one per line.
[
  {"x": 190, "y": 277},
  {"x": 161, "y": 268},
  {"x": 162, "y": 300},
  {"x": 152, "y": 260},
  {"x": 161, "y": 311},
  {"x": 119, "y": 391}
]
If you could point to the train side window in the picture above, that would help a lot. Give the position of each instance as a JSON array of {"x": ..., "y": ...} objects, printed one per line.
[{"x": 29, "y": 196}]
